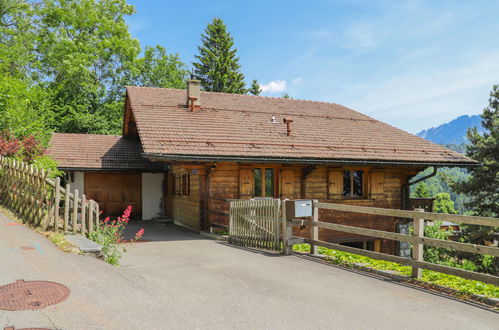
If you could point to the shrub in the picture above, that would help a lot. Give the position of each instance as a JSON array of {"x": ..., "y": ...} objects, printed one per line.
[
  {"x": 109, "y": 235},
  {"x": 25, "y": 149}
]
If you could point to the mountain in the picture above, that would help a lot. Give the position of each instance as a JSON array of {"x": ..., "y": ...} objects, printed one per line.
[{"x": 453, "y": 132}]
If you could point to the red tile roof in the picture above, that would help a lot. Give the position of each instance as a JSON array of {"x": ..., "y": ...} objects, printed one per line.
[
  {"x": 89, "y": 151},
  {"x": 236, "y": 126}
]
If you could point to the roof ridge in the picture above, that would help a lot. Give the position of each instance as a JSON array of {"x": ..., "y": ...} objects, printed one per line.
[
  {"x": 248, "y": 95},
  {"x": 86, "y": 134}
]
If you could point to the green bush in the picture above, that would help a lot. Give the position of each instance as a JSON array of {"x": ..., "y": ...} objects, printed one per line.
[{"x": 463, "y": 286}]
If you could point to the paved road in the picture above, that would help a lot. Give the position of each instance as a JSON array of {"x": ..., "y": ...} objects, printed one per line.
[{"x": 181, "y": 281}]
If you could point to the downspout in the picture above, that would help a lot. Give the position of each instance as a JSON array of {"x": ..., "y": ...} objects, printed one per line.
[{"x": 407, "y": 187}]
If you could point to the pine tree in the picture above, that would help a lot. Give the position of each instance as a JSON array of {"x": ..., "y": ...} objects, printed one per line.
[
  {"x": 255, "y": 88},
  {"x": 217, "y": 64},
  {"x": 483, "y": 186}
]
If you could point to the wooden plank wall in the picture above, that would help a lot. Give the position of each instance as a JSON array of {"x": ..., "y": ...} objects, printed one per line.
[
  {"x": 388, "y": 194},
  {"x": 186, "y": 208},
  {"x": 223, "y": 183},
  {"x": 384, "y": 190}
]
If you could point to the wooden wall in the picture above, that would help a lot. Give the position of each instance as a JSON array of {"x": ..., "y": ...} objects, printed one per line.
[
  {"x": 208, "y": 201},
  {"x": 223, "y": 183},
  {"x": 186, "y": 208}
]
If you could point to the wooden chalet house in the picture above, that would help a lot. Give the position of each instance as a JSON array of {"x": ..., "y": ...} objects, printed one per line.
[{"x": 184, "y": 153}]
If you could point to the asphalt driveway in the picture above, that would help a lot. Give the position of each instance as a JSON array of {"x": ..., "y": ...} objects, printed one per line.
[{"x": 179, "y": 280}]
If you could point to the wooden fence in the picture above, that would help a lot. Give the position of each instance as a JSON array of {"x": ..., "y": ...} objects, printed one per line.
[
  {"x": 417, "y": 239},
  {"x": 255, "y": 223},
  {"x": 42, "y": 202}
]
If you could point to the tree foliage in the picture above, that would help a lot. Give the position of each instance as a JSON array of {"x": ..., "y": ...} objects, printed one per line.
[
  {"x": 255, "y": 88},
  {"x": 483, "y": 185},
  {"x": 421, "y": 191},
  {"x": 64, "y": 65},
  {"x": 217, "y": 64},
  {"x": 443, "y": 204},
  {"x": 87, "y": 55},
  {"x": 157, "y": 68}
]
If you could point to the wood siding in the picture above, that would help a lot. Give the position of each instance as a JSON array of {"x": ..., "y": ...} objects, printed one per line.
[
  {"x": 382, "y": 187},
  {"x": 186, "y": 207}
]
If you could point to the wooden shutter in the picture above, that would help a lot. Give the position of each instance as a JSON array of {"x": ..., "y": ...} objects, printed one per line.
[
  {"x": 288, "y": 183},
  {"x": 335, "y": 184},
  {"x": 245, "y": 183},
  {"x": 377, "y": 184}
]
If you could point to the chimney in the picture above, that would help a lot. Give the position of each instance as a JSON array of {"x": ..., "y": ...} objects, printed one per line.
[
  {"x": 193, "y": 94},
  {"x": 288, "y": 125}
]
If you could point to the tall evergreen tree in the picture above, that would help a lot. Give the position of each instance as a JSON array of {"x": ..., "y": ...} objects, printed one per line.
[
  {"x": 255, "y": 88},
  {"x": 217, "y": 64},
  {"x": 483, "y": 186}
]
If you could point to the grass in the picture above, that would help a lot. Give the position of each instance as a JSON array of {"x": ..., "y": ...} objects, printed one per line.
[
  {"x": 463, "y": 286},
  {"x": 60, "y": 241}
]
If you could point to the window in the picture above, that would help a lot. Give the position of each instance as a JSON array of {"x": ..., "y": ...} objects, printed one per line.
[
  {"x": 181, "y": 184},
  {"x": 353, "y": 184},
  {"x": 186, "y": 183},
  {"x": 264, "y": 182}
]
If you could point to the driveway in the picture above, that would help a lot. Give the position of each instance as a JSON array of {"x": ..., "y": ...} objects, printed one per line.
[{"x": 179, "y": 280}]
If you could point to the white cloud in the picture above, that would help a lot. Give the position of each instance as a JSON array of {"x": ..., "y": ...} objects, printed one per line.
[
  {"x": 274, "y": 86},
  {"x": 297, "y": 81}
]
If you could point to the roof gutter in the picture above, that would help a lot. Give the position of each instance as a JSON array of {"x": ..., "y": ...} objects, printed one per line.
[
  {"x": 204, "y": 158},
  {"x": 435, "y": 169}
]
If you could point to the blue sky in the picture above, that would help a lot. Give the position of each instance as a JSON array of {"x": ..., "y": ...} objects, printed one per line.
[{"x": 412, "y": 64}]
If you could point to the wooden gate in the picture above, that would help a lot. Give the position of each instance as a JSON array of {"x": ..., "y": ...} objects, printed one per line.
[{"x": 256, "y": 223}]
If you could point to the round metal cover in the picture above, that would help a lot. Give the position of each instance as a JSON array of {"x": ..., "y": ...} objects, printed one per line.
[{"x": 23, "y": 295}]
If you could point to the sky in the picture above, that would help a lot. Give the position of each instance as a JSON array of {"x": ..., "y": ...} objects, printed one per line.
[{"x": 411, "y": 64}]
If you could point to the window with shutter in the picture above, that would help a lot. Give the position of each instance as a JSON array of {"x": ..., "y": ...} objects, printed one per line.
[
  {"x": 288, "y": 184},
  {"x": 335, "y": 184},
  {"x": 377, "y": 184},
  {"x": 246, "y": 183}
]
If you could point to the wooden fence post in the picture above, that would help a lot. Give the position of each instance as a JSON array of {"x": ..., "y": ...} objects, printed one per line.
[
  {"x": 314, "y": 230},
  {"x": 418, "y": 248},
  {"x": 97, "y": 214},
  {"x": 57, "y": 200},
  {"x": 74, "y": 219},
  {"x": 66, "y": 208},
  {"x": 286, "y": 231},
  {"x": 84, "y": 215}
]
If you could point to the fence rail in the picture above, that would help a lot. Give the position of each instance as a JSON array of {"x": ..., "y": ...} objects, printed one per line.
[
  {"x": 42, "y": 201},
  {"x": 417, "y": 239}
]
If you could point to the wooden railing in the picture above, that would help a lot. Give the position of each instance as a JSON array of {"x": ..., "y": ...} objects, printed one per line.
[
  {"x": 417, "y": 239},
  {"x": 41, "y": 201}
]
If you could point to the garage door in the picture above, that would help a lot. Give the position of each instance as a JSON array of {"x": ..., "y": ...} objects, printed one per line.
[{"x": 115, "y": 191}]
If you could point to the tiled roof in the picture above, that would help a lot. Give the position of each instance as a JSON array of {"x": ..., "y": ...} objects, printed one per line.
[
  {"x": 89, "y": 151},
  {"x": 230, "y": 125}
]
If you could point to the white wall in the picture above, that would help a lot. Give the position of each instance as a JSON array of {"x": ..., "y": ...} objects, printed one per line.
[
  {"x": 152, "y": 192},
  {"x": 78, "y": 183}
]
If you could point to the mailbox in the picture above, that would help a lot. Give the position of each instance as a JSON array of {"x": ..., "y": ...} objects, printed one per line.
[{"x": 299, "y": 208}]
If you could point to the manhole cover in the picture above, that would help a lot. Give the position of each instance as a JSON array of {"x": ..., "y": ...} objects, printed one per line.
[{"x": 23, "y": 295}]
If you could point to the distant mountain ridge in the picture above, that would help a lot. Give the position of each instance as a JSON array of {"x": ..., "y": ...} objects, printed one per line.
[{"x": 453, "y": 132}]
